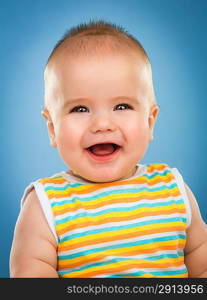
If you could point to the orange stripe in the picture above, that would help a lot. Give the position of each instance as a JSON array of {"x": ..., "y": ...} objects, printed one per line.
[
  {"x": 156, "y": 167},
  {"x": 118, "y": 219},
  {"x": 185, "y": 275},
  {"x": 154, "y": 249},
  {"x": 174, "y": 193},
  {"x": 94, "y": 187},
  {"x": 53, "y": 180},
  {"x": 103, "y": 202},
  {"x": 81, "y": 260},
  {"x": 147, "y": 275},
  {"x": 120, "y": 236},
  {"x": 124, "y": 268},
  {"x": 100, "y": 257}
]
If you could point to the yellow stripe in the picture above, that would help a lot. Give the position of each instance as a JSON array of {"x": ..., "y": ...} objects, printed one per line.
[
  {"x": 134, "y": 213},
  {"x": 184, "y": 275},
  {"x": 128, "y": 231},
  {"x": 122, "y": 251},
  {"x": 104, "y": 199},
  {"x": 138, "y": 263},
  {"x": 94, "y": 187},
  {"x": 121, "y": 235}
]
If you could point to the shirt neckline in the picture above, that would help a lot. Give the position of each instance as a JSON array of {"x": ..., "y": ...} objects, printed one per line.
[{"x": 141, "y": 169}]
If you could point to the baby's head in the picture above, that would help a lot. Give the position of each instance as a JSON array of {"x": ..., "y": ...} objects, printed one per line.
[{"x": 99, "y": 101}]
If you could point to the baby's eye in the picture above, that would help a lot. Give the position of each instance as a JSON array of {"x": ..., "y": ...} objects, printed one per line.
[
  {"x": 123, "y": 106},
  {"x": 79, "y": 109}
]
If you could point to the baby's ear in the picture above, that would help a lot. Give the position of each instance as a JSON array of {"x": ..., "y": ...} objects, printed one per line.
[
  {"x": 152, "y": 119},
  {"x": 50, "y": 127}
]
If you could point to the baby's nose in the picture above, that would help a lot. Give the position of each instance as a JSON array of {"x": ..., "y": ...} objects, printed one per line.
[{"x": 102, "y": 123}]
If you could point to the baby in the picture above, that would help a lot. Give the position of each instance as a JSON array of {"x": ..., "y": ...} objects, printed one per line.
[{"x": 108, "y": 215}]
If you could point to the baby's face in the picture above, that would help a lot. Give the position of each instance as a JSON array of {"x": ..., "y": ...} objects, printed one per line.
[{"x": 102, "y": 119}]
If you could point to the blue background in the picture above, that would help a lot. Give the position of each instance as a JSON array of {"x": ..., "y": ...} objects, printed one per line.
[{"x": 174, "y": 35}]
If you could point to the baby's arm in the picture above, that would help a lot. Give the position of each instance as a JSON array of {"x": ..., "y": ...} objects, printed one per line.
[
  {"x": 196, "y": 246},
  {"x": 33, "y": 252}
]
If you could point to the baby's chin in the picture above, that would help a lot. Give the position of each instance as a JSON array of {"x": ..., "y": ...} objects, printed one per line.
[{"x": 104, "y": 176}]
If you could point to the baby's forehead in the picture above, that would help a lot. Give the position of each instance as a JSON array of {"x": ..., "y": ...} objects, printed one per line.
[
  {"x": 83, "y": 49},
  {"x": 70, "y": 63},
  {"x": 97, "y": 45},
  {"x": 86, "y": 48},
  {"x": 61, "y": 87}
]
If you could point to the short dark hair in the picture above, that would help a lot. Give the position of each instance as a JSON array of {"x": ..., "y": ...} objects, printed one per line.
[{"x": 99, "y": 28}]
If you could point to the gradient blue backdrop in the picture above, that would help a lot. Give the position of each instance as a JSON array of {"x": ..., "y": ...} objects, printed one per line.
[{"x": 174, "y": 35}]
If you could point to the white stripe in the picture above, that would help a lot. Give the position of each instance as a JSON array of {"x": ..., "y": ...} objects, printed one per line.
[
  {"x": 143, "y": 256},
  {"x": 112, "y": 188},
  {"x": 146, "y": 270},
  {"x": 115, "y": 195},
  {"x": 129, "y": 258},
  {"x": 117, "y": 205},
  {"x": 119, "y": 242},
  {"x": 54, "y": 185},
  {"x": 121, "y": 223}
]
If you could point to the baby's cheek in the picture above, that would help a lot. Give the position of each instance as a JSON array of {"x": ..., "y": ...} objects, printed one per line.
[
  {"x": 68, "y": 141},
  {"x": 138, "y": 138},
  {"x": 66, "y": 135},
  {"x": 137, "y": 127}
]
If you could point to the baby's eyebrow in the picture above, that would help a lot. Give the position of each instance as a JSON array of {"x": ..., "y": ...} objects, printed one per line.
[
  {"x": 121, "y": 98},
  {"x": 74, "y": 101},
  {"x": 127, "y": 98}
]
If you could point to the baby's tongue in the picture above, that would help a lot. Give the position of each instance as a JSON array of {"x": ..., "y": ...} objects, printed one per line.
[{"x": 102, "y": 149}]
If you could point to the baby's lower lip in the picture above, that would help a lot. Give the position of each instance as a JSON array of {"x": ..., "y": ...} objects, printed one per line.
[{"x": 103, "y": 158}]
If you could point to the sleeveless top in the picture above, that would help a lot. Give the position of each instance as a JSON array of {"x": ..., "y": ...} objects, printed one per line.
[{"x": 134, "y": 227}]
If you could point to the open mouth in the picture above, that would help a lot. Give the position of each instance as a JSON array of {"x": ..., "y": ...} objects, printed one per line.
[{"x": 103, "y": 151}]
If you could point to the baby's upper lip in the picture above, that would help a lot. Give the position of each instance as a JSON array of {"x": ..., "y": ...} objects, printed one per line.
[{"x": 104, "y": 142}]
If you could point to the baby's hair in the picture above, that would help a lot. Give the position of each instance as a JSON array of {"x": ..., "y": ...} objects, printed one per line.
[{"x": 78, "y": 39}]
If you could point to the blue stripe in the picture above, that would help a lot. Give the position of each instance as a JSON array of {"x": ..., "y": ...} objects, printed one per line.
[
  {"x": 117, "y": 210},
  {"x": 166, "y": 172},
  {"x": 114, "y": 192},
  {"x": 117, "y": 228},
  {"x": 124, "y": 245},
  {"x": 120, "y": 259},
  {"x": 61, "y": 188},
  {"x": 168, "y": 273}
]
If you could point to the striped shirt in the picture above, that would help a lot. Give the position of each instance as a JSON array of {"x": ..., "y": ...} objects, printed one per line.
[{"x": 129, "y": 228}]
